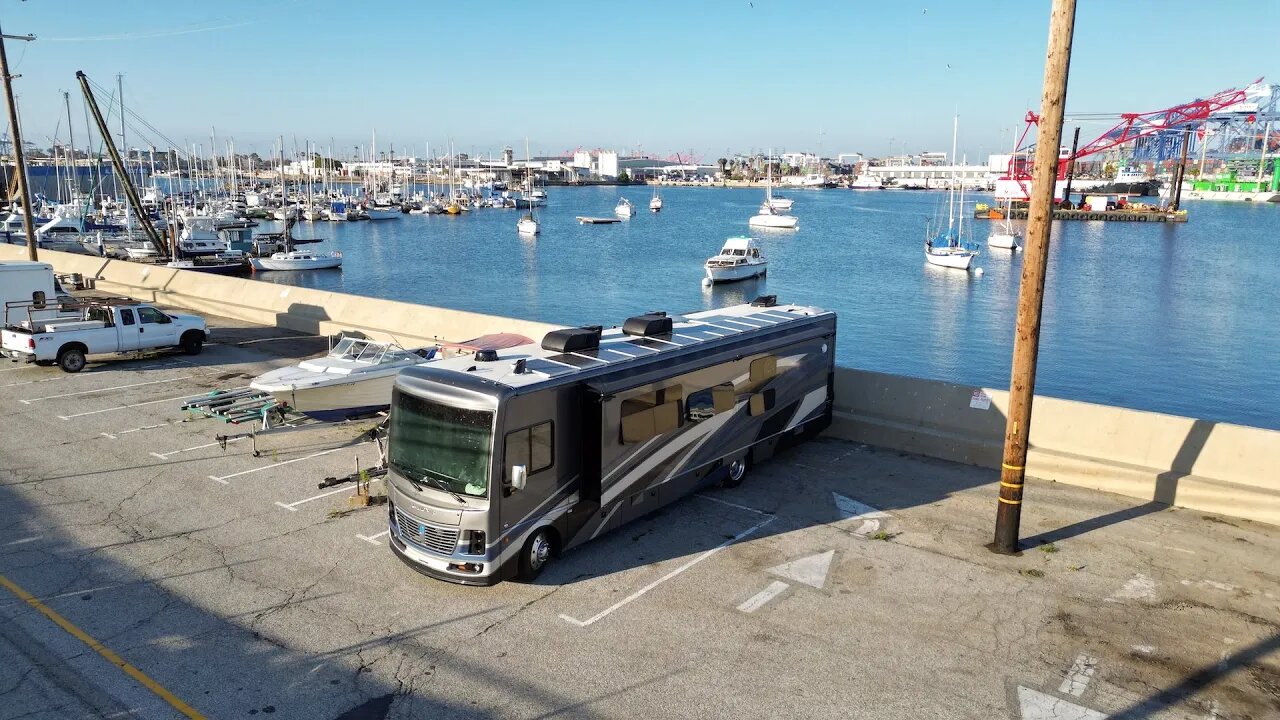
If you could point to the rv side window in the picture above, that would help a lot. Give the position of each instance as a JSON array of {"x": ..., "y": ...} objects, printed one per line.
[
  {"x": 761, "y": 402},
  {"x": 531, "y": 447},
  {"x": 647, "y": 416},
  {"x": 764, "y": 368},
  {"x": 704, "y": 404}
]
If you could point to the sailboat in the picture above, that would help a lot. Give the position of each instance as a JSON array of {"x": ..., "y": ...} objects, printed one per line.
[
  {"x": 945, "y": 248},
  {"x": 655, "y": 202},
  {"x": 769, "y": 215},
  {"x": 1005, "y": 235},
  {"x": 293, "y": 259},
  {"x": 528, "y": 224}
]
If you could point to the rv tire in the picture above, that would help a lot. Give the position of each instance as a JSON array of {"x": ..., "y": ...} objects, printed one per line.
[
  {"x": 735, "y": 472},
  {"x": 536, "y": 554}
]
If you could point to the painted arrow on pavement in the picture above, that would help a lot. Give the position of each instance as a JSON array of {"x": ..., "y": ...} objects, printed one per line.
[
  {"x": 851, "y": 509},
  {"x": 1036, "y": 705}
]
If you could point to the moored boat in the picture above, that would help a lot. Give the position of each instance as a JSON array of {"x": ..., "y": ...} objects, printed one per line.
[
  {"x": 624, "y": 208},
  {"x": 739, "y": 259}
]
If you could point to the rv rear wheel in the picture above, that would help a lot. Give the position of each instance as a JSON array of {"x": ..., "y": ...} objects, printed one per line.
[
  {"x": 538, "y": 551},
  {"x": 737, "y": 471}
]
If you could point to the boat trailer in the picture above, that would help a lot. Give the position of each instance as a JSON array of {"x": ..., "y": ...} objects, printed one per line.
[{"x": 241, "y": 405}]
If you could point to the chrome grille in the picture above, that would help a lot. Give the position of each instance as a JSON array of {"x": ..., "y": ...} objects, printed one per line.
[{"x": 426, "y": 536}]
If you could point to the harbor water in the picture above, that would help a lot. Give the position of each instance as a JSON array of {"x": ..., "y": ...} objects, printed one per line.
[{"x": 1175, "y": 318}]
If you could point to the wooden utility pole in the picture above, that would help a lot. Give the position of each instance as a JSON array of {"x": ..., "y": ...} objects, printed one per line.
[
  {"x": 19, "y": 161},
  {"x": 1026, "y": 340}
]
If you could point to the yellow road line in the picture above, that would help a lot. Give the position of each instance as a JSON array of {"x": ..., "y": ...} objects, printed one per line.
[{"x": 101, "y": 649}]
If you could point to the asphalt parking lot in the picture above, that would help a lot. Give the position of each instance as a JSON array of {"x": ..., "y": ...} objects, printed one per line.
[{"x": 149, "y": 572}]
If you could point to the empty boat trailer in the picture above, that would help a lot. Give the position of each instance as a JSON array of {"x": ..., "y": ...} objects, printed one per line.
[{"x": 497, "y": 462}]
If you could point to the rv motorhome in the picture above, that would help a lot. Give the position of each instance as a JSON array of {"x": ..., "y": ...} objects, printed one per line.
[{"x": 497, "y": 463}]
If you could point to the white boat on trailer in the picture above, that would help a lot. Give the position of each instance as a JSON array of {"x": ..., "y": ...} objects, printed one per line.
[
  {"x": 739, "y": 259},
  {"x": 356, "y": 376}
]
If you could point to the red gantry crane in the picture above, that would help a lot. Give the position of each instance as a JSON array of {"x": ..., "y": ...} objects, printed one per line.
[{"x": 1016, "y": 182}]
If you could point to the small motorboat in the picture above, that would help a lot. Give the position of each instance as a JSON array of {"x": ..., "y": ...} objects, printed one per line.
[
  {"x": 353, "y": 380},
  {"x": 297, "y": 260},
  {"x": 770, "y": 218},
  {"x": 1005, "y": 235},
  {"x": 624, "y": 208},
  {"x": 739, "y": 259}
]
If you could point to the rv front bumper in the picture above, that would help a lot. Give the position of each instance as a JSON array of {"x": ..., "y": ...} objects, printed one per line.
[{"x": 438, "y": 568}]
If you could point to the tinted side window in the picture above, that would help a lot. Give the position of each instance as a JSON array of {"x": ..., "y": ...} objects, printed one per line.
[
  {"x": 149, "y": 315},
  {"x": 704, "y": 404},
  {"x": 532, "y": 447},
  {"x": 126, "y": 317}
]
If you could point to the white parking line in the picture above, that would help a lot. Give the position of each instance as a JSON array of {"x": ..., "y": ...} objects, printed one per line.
[
  {"x": 755, "y": 602},
  {"x": 165, "y": 455},
  {"x": 373, "y": 539},
  {"x": 224, "y": 478},
  {"x": 28, "y": 401},
  {"x": 628, "y": 599},
  {"x": 1078, "y": 676},
  {"x": 293, "y": 506},
  {"x": 124, "y": 407},
  {"x": 144, "y": 427}
]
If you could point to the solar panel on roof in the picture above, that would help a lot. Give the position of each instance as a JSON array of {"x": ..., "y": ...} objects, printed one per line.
[
  {"x": 650, "y": 343},
  {"x": 611, "y": 355},
  {"x": 551, "y": 369},
  {"x": 779, "y": 315},
  {"x": 698, "y": 334},
  {"x": 577, "y": 361}
]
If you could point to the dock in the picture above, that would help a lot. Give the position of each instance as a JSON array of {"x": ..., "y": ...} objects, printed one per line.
[
  {"x": 597, "y": 220},
  {"x": 1091, "y": 215}
]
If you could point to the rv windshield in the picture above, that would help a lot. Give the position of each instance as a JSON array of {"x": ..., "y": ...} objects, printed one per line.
[{"x": 449, "y": 445}]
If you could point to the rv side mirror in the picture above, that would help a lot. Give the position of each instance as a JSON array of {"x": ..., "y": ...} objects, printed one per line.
[{"x": 517, "y": 477}]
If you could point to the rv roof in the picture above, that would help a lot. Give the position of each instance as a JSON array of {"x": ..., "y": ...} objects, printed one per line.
[{"x": 615, "y": 347}]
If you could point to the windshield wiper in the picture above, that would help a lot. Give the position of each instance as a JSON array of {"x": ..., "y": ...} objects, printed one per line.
[{"x": 441, "y": 484}]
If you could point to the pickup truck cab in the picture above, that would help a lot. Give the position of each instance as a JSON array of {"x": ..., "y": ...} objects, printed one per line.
[{"x": 102, "y": 328}]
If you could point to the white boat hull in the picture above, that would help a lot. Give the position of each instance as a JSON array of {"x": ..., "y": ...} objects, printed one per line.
[
  {"x": 781, "y": 204},
  {"x": 1006, "y": 241},
  {"x": 958, "y": 259},
  {"x": 324, "y": 399},
  {"x": 734, "y": 273},
  {"x": 382, "y": 214},
  {"x": 774, "y": 221},
  {"x": 655, "y": 205},
  {"x": 624, "y": 212},
  {"x": 1231, "y": 196},
  {"x": 527, "y": 227},
  {"x": 317, "y": 262}
]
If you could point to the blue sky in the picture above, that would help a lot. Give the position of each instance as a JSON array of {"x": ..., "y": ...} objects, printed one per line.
[{"x": 714, "y": 77}]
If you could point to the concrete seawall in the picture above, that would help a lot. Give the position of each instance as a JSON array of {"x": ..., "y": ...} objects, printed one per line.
[
  {"x": 294, "y": 308},
  {"x": 1213, "y": 467}
]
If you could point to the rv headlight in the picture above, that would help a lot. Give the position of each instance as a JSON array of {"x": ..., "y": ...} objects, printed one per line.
[{"x": 475, "y": 542}]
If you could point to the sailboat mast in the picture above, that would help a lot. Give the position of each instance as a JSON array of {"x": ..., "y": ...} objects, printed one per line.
[
  {"x": 951, "y": 196},
  {"x": 71, "y": 140}
]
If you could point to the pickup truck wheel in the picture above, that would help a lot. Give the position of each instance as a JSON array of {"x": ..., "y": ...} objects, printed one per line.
[
  {"x": 71, "y": 360},
  {"x": 192, "y": 343}
]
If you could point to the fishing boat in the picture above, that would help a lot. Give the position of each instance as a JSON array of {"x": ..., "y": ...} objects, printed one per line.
[
  {"x": 770, "y": 216},
  {"x": 655, "y": 202},
  {"x": 945, "y": 247},
  {"x": 624, "y": 208},
  {"x": 297, "y": 260},
  {"x": 739, "y": 259}
]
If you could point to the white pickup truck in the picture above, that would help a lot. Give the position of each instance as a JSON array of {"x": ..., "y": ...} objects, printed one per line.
[{"x": 103, "y": 328}]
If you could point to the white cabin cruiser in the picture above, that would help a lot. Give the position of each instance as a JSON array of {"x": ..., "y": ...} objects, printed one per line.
[
  {"x": 353, "y": 380},
  {"x": 867, "y": 182},
  {"x": 624, "y": 208},
  {"x": 739, "y": 259}
]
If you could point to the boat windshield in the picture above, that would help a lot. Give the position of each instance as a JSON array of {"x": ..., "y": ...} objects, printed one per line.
[{"x": 449, "y": 445}]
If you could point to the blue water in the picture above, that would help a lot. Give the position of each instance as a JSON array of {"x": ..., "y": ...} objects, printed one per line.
[{"x": 1171, "y": 318}]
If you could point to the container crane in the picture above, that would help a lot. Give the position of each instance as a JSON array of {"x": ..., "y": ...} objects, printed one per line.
[{"x": 1016, "y": 182}]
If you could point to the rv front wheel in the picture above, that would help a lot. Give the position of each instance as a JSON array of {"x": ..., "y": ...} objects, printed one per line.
[
  {"x": 737, "y": 471},
  {"x": 538, "y": 551}
]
